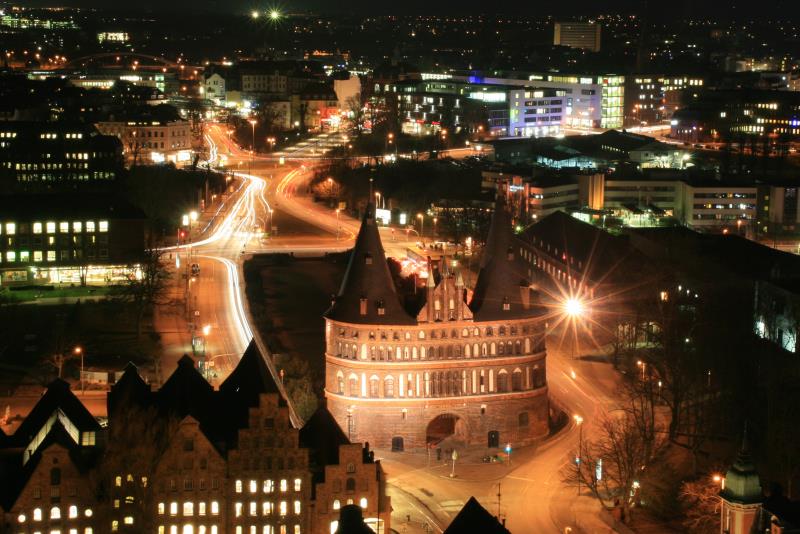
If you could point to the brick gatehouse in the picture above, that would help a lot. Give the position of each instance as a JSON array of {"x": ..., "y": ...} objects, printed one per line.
[{"x": 468, "y": 366}]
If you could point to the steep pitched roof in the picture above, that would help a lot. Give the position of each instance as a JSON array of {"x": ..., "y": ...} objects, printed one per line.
[
  {"x": 323, "y": 436},
  {"x": 502, "y": 280},
  {"x": 368, "y": 277},
  {"x": 475, "y": 518},
  {"x": 129, "y": 388},
  {"x": 251, "y": 378},
  {"x": 185, "y": 391},
  {"x": 742, "y": 483},
  {"x": 57, "y": 397}
]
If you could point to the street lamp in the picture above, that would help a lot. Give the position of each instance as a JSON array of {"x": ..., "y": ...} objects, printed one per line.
[
  {"x": 435, "y": 220},
  {"x": 579, "y": 421},
  {"x": 254, "y": 14},
  {"x": 274, "y": 15},
  {"x": 337, "y": 223},
  {"x": 643, "y": 365},
  {"x": 421, "y": 218},
  {"x": 508, "y": 452},
  {"x": 206, "y": 331},
  {"x": 454, "y": 457},
  {"x": 78, "y": 351}
]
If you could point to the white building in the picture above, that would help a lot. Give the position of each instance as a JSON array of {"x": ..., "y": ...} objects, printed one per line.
[
  {"x": 152, "y": 137},
  {"x": 535, "y": 112}
]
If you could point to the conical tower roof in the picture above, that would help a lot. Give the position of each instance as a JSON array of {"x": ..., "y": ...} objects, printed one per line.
[
  {"x": 742, "y": 484},
  {"x": 502, "y": 281},
  {"x": 368, "y": 294}
]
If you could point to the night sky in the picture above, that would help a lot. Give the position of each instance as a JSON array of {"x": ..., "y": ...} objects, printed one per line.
[{"x": 676, "y": 8}]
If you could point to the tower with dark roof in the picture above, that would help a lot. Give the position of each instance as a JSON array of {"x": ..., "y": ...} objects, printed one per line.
[
  {"x": 458, "y": 369},
  {"x": 741, "y": 493}
]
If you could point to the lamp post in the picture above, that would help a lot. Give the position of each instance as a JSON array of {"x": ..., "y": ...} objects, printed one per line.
[
  {"x": 78, "y": 351},
  {"x": 508, "y": 452},
  {"x": 337, "y": 223},
  {"x": 579, "y": 422},
  {"x": 421, "y": 218},
  {"x": 206, "y": 331},
  {"x": 435, "y": 220},
  {"x": 454, "y": 457}
]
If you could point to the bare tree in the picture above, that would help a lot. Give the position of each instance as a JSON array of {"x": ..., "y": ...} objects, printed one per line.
[
  {"x": 357, "y": 113},
  {"x": 618, "y": 454},
  {"x": 146, "y": 285},
  {"x": 700, "y": 502}
]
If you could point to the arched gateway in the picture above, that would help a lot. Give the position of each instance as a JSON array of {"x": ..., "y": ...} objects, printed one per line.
[{"x": 446, "y": 426}]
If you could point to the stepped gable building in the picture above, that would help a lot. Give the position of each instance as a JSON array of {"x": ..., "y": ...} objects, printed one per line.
[
  {"x": 184, "y": 458},
  {"x": 472, "y": 371}
]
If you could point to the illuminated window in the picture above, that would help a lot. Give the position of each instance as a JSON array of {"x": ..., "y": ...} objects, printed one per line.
[
  {"x": 283, "y": 484},
  {"x": 363, "y": 503},
  {"x": 253, "y": 486},
  {"x": 188, "y": 508},
  {"x": 63, "y": 227},
  {"x": 37, "y": 228},
  {"x": 129, "y": 520},
  {"x": 24, "y": 256},
  {"x": 297, "y": 507},
  {"x": 51, "y": 227},
  {"x": 77, "y": 226},
  {"x": 297, "y": 529},
  {"x": 201, "y": 508},
  {"x": 238, "y": 509},
  {"x": 269, "y": 486},
  {"x": 266, "y": 508},
  {"x": 283, "y": 508},
  {"x": 104, "y": 226},
  {"x": 51, "y": 255},
  {"x": 238, "y": 486},
  {"x": 253, "y": 508},
  {"x": 37, "y": 255},
  {"x": 214, "y": 508},
  {"x": 297, "y": 483},
  {"x": 114, "y": 525},
  {"x": 11, "y": 228},
  {"x": 21, "y": 518},
  {"x": 11, "y": 256},
  {"x": 161, "y": 508},
  {"x": 37, "y": 514},
  {"x": 173, "y": 508},
  {"x": 90, "y": 227},
  {"x": 73, "y": 512},
  {"x": 87, "y": 530},
  {"x": 336, "y": 504},
  {"x": 88, "y": 512}
]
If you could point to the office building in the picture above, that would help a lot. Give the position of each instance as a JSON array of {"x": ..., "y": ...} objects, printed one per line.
[
  {"x": 535, "y": 112},
  {"x": 584, "y": 35}
]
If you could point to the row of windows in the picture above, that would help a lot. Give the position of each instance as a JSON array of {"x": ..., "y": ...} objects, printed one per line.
[
  {"x": 267, "y": 486},
  {"x": 55, "y": 514},
  {"x": 64, "y": 255},
  {"x": 63, "y": 227},
  {"x": 267, "y": 508},
  {"x": 442, "y": 383},
  {"x": 188, "y": 508},
  {"x": 389, "y": 353},
  {"x": 70, "y": 176},
  {"x": 434, "y": 334}
]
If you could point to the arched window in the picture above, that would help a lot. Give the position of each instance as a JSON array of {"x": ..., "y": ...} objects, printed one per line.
[
  {"x": 350, "y": 485},
  {"x": 517, "y": 347},
  {"x": 340, "y": 383},
  {"x": 483, "y": 350},
  {"x": 502, "y": 330},
  {"x": 516, "y": 380},
  {"x": 489, "y": 331},
  {"x": 465, "y": 333},
  {"x": 373, "y": 386},
  {"x": 509, "y": 348},
  {"x": 501, "y": 348},
  {"x": 422, "y": 353},
  {"x": 467, "y": 351},
  {"x": 37, "y": 514},
  {"x": 538, "y": 376},
  {"x": 388, "y": 387},
  {"x": 475, "y": 350},
  {"x": 336, "y": 504},
  {"x": 493, "y": 350},
  {"x": 527, "y": 345},
  {"x": 502, "y": 381},
  {"x": 55, "y": 512},
  {"x": 353, "y": 389},
  {"x": 457, "y": 351},
  {"x": 421, "y": 334}
]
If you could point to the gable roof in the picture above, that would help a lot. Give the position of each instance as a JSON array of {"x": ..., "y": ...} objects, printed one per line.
[
  {"x": 475, "y": 518},
  {"x": 250, "y": 378},
  {"x": 323, "y": 435},
  {"x": 57, "y": 397},
  {"x": 368, "y": 277},
  {"x": 186, "y": 391}
]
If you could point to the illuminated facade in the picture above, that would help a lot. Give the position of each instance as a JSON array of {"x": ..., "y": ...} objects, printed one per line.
[
  {"x": 585, "y": 35},
  {"x": 468, "y": 370},
  {"x": 535, "y": 112},
  {"x": 42, "y": 155},
  {"x": 229, "y": 461},
  {"x": 73, "y": 239},
  {"x": 155, "y": 134}
]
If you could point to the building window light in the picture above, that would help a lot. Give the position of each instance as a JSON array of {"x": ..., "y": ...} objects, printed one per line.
[
  {"x": 73, "y": 512},
  {"x": 129, "y": 520},
  {"x": 37, "y": 228},
  {"x": 238, "y": 486},
  {"x": 51, "y": 227},
  {"x": 214, "y": 508},
  {"x": 253, "y": 486},
  {"x": 363, "y": 503},
  {"x": 283, "y": 485},
  {"x": 104, "y": 226},
  {"x": 297, "y": 507},
  {"x": 173, "y": 508},
  {"x": 161, "y": 508},
  {"x": 90, "y": 227},
  {"x": 201, "y": 508},
  {"x": 297, "y": 484},
  {"x": 55, "y": 512},
  {"x": 63, "y": 227},
  {"x": 283, "y": 508},
  {"x": 11, "y": 256},
  {"x": 11, "y": 228},
  {"x": 77, "y": 226}
]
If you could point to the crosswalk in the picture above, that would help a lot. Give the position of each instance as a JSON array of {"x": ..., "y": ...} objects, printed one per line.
[{"x": 313, "y": 147}]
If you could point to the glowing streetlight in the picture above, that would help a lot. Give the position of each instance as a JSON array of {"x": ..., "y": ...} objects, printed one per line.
[
  {"x": 206, "y": 329},
  {"x": 421, "y": 218},
  {"x": 254, "y": 14},
  {"x": 573, "y": 307},
  {"x": 193, "y": 216},
  {"x": 274, "y": 14}
]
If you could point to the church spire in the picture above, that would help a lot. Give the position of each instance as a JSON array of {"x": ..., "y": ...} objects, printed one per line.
[{"x": 367, "y": 294}]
